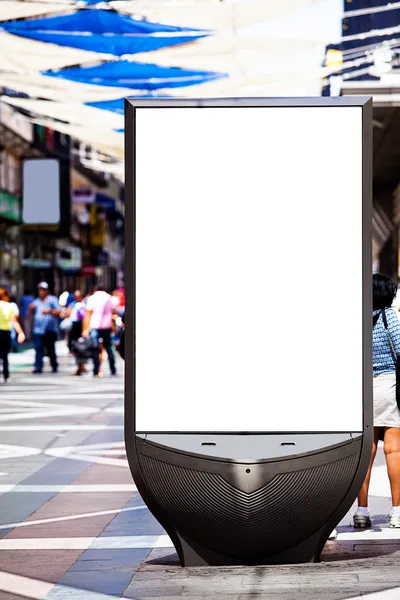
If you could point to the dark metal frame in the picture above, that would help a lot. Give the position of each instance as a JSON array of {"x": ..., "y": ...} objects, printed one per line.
[{"x": 140, "y": 445}]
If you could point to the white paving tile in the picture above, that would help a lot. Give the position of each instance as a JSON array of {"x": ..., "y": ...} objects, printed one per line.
[{"x": 17, "y": 584}]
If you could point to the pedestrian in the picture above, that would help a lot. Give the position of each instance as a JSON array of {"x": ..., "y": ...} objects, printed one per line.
[
  {"x": 45, "y": 311},
  {"x": 26, "y": 300},
  {"x": 386, "y": 343},
  {"x": 97, "y": 323},
  {"x": 7, "y": 319},
  {"x": 76, "y": 312}
]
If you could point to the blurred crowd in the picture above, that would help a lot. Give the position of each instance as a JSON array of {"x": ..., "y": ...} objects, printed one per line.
[{"x": 92, "y": 327}]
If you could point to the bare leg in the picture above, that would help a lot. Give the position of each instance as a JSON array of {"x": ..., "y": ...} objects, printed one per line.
[
  {"x": 363, "y": 495},
  {"x": 392, "y": 453}
]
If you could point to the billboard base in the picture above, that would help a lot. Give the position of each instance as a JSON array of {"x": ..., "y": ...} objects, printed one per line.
[{"x": 231, "y": 499}]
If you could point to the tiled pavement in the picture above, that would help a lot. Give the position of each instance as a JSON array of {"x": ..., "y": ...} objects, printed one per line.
[{"x": 72, "y": 525}]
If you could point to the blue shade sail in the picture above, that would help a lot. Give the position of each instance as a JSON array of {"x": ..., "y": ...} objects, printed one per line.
[
  {"x": 93, "y": 2},
  {"x": 103, "y": 31},
  {"x": 117, "y": 106},
  {"x": 140, "y": 76}
]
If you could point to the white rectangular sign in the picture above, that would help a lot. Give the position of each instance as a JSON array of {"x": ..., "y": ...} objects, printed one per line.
[
  {"x": 41, "y": 191},
  {"x": 248, "y": 269}
]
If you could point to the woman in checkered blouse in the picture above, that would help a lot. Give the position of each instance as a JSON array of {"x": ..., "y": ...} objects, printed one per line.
[{"x": 386, "y": 412}]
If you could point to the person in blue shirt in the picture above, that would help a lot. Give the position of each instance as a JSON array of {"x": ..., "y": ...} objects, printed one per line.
[
  {"x": 45, "y": 311},
  {"x": 386, "y": 348}
]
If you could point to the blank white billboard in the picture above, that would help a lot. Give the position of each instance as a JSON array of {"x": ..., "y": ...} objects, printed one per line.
[
  {"x": 41, "y": 191},
  {"x": 248, "y": 269}
]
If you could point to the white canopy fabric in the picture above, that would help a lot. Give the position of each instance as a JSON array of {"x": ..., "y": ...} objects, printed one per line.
[
  {"x": 13, "y": 9},
  {"x": 20, "y": 55},
  {"x": 64, "y": 2},
  {"x": 247, "y": 86},
  {"x": 326, "y": 13},
  {"x": 40, "y": 86},
  {"x": 268, "y": 61},
  {"x": 73, "y": 113},
  {"x": 209, "y": 14},
  {"x": 268, "y": 51},
  {"x": 230, "y": 54}
]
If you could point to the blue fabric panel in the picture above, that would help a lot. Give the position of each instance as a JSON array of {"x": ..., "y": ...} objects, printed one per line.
[
  {"x": 93, "y": 2},
  {"x": 111, "y": 33},
  {"x": 117, "y": 45},
  {"x": 93, "y": 21},
  {"x": 135, "y": 75}
]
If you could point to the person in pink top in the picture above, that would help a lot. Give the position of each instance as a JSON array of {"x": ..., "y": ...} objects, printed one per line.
[{"x": 97, "y": 323}]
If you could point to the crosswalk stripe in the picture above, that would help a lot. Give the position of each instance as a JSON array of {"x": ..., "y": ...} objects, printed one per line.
[{"x": 109, "y": 542}]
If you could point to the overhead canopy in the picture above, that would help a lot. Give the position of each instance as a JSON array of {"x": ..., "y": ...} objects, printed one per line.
[
  {"x": 257, "y": 43},
  {"x": 13, "y": 9},
  {"x": 267, "y": 57},
  {"x": 22, "y": 55},
  {"x": 211, "y": 14},
  {"x": 103, "y": 31},
  {"x": 135, "y": 75},
  {"x": 50, "y": 88},
  {"x": 287, "y": 26}
]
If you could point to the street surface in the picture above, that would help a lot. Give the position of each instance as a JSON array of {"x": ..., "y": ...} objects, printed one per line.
[{"x": 72, "y": 525}]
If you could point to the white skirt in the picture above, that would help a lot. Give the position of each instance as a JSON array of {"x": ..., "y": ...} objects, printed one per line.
[{"x": 386, "y": 413}]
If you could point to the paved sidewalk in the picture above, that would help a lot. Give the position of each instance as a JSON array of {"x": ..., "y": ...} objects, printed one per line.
[{"x": 72, "y": 525}]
